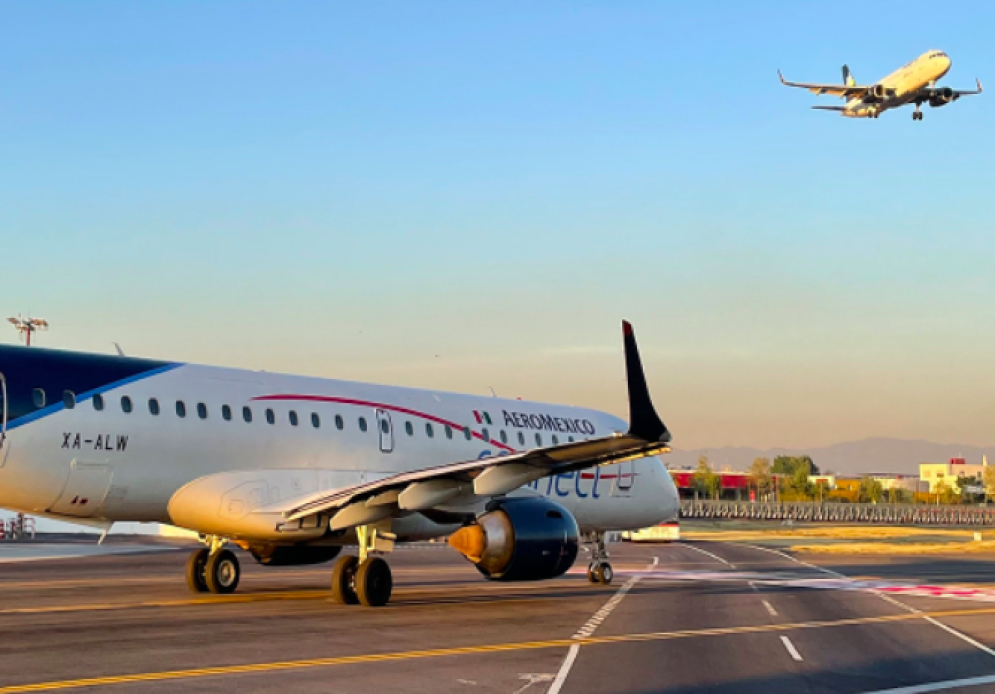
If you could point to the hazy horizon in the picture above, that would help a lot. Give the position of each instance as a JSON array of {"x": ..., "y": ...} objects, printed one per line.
[{"x": 472, "y": 196}]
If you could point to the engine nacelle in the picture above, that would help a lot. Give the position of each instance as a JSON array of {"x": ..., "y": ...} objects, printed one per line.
[
  {"x": 942, "y": 97},
  {"x": 293, "y": 555},
  {"x": 520, "y": 539},
  {"x": 879, "y": 91}
]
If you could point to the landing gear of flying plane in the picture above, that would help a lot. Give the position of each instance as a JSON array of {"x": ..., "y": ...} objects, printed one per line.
[
  {"x": 917, "y": 114},
  {"x": 365, "y": 579},
  {"x": 599, "y": 570},
  {"x": 213, "y": 570}
]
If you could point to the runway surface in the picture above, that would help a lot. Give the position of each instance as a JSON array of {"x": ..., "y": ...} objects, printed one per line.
[{"x": 687, "y": 617}]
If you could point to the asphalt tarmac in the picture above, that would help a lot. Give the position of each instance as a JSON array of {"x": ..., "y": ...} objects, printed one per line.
[{"x": 686, "y": 617}]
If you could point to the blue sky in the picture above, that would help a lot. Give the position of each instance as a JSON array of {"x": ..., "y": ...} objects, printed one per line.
[{"x": 465, "y": 195}]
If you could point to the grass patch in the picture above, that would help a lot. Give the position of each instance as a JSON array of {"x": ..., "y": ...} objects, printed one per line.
[
  {"x": 830, "y": 532},
  {"x": 896, "y": 548}
]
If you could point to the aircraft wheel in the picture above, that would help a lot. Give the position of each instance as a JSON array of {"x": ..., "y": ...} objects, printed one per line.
[
  {"x": 343, "y": 580},
  {"x": 221, "y": 572},
  {"x": 374, "y": 582},
  {"x": 604, "y": 573},
  {"x": 591, "y": 577},
  {"x": 196, "y": 580}
]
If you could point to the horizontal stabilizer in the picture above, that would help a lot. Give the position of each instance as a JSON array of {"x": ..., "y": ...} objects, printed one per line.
[{"x": 829, "y": 108}]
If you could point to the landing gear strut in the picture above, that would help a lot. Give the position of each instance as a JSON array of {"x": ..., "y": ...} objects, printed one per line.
[
  {"x": 599, "y": 570},
  {"x": 917, "y": 114},
  {"x": 213, "y": 569},
  {"x": 366, "y": 579}
]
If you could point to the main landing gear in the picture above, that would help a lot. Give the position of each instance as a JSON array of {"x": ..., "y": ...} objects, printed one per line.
[
  {"x": 355, "y": 580},
  {"x": 599, "y": 570},
  {"x": 917, "y": 114},
  {"x": 213, "y": 569},
  {"x": 364, "y": 579}
]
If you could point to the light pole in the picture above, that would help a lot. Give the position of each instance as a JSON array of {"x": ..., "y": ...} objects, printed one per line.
[{"x": 26, "y": 326}]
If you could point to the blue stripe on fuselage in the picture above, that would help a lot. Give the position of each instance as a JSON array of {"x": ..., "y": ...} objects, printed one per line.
[{"x": 55, "y": 372}]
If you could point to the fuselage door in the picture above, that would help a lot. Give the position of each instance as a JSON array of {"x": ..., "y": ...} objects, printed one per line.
[
  {"x": 386, "y": 431},
  {"x": 85, "y": 489}
]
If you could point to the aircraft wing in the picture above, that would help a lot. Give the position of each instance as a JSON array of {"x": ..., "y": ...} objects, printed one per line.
[
  {"x": 847, "y": 90},
  {"x": 430, "y": 487},
  {"x": 927, "y": 93}
]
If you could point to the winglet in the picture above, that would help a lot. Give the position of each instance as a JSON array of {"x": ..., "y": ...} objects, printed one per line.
[
  {"x": 979, "y": 85},
  {"x": 643, "y": 419},
  {"x": 781, "y": 77}
]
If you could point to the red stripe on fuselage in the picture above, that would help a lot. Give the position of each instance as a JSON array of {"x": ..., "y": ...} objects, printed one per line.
[{"x": 384, "y": 406}]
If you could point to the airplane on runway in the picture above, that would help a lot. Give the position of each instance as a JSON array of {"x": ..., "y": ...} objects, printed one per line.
[
  {"x": 913, "y": 83},
  {"x": 292, "y": 468}
]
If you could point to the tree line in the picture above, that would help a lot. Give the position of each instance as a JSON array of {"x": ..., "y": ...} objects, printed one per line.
[{"x": 787, "y": 479}]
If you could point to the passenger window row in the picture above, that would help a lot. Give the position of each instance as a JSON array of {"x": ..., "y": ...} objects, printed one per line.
[
  {"x": 69, "y": 402},
  {"x": 127, "y": 406}
]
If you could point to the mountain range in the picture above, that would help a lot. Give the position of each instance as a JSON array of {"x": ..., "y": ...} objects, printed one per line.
[{"x": 850, "y": 457}]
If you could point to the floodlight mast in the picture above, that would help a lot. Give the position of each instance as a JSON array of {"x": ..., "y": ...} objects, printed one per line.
[{"x": 26, "y": 326}]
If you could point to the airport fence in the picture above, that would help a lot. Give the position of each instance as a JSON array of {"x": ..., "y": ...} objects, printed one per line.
[{"x": 814, "y": 511}]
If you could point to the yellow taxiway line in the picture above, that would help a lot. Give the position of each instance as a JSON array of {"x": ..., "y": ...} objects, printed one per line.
[{"x": 276, "y": 666}]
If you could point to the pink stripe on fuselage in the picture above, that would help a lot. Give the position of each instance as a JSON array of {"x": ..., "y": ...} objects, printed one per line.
[{"x": 384, "y": 406}]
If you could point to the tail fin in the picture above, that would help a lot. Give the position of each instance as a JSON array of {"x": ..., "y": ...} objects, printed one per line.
[{"x": 848, "y": 77}]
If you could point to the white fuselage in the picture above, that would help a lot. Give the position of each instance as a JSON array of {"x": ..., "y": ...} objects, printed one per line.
[
  {"x": 305, "y": 435},
  {"x": 905, "y": 81}
]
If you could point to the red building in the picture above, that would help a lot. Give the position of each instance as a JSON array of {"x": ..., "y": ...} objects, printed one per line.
[{"x": 734, "y": 485}]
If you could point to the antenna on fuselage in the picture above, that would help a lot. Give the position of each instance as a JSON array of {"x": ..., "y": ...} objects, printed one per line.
[{"x": 26, "y": 326}]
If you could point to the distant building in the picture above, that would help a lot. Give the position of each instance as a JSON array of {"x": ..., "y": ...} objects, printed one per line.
[
  {"x": 892, "y": 480},
  {"x": 733, "y": 485},
  {"x": 934, "y": 474}
]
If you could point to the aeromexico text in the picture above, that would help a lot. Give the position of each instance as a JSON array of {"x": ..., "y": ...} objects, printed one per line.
[{"x": 522, "y": 420}]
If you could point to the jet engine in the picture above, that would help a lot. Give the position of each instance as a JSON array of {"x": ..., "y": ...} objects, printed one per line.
[
  {"x": 293, "y": 555},
  {"x": 942, "y": 97},
  {"x": 879, "y": 91},
  {"x": 520, "y": 539}
]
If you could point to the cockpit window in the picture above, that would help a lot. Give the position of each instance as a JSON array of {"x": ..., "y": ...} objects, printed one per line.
[{"x": 98, "y": 402}]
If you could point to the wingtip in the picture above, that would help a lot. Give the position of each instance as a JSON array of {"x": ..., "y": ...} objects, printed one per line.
[
  {"x": 780, "y": 76},
  {"x": 626, "y": 328},
  {"x": 978, "y": 81}
]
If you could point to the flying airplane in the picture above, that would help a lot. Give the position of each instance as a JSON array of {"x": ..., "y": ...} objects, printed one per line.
[
  {"x": 293, "y": 468},
  {"x": 914, "y": 83}
]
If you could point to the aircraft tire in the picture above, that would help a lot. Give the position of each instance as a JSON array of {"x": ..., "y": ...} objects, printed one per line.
[
  {"x": 196, "y": 563},
  {"x": 374, "y": 582},
  {"x": 591, "y": 576},
  {"x": 604, "y": 574},
  {"x": 343, "y": 579},
  {"x": 221, "y": 572}
]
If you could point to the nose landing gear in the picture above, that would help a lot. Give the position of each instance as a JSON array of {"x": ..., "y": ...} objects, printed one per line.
[{"x": 599, "y": 570}]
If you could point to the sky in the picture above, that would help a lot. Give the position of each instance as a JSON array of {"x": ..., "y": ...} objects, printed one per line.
[{"x": 467, "y": 196}]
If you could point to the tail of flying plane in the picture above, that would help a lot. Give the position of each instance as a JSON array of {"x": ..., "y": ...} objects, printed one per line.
[{"x": 848, "y": 77}]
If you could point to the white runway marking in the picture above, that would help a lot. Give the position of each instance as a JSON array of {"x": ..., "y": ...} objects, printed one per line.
[
  {"x": 792, "y": 651},
  {"x": 561, "y": 676},
  {"x": 938, "y": 686},
  {"x": 887, "y": 598},
  {"x": 707, "y": 553},
  {"x": 592, "y": 624},
  {"x": 770, "y": 610}
]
